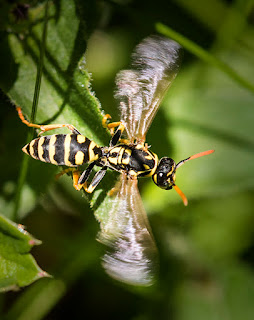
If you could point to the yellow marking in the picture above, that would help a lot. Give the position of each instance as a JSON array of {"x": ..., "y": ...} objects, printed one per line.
[
  {"x": 149, "y": 157},
  {"x": 127, "y": 159},
  {"x": 120, "y": 156},
  {"x": 139, "y": 146},
  {"x": 52, "y": 149},
  {"x": 24, "y": 149},
  {"x": 155, "y": 178},
  {"x": 146, "y": 166},
  {"x": 40, "y": 149},
  {"x": 170, "y": 172},
  {"x": 67, "y": 148},
  {"x": 91, "y": 154},
  {"x": 31, "y": 148},
  {"x": 81, "y": 139},
  {"x": 128, "y": 151},
  {"x": 116, "y": 149},
  {"x": 155, "y": 157},
  {"x": 79, "y": 158},
  {"x": 132, "y": 173},
  {"x": 113, "y": 160}
]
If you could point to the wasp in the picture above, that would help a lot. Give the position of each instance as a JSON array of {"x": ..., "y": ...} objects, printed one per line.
[{"x": 132, "y": 249}]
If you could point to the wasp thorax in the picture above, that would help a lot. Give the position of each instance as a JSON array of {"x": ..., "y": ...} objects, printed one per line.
[{"x": 164, "y": 176}]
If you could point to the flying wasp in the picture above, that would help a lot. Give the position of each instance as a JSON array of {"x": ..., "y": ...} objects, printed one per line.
[{"x": 132, "y": 251}]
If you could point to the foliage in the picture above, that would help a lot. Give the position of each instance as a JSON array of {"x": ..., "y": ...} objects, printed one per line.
[
  {"x": 206, "y": 249},
  {"x": 17, "y": 267}
]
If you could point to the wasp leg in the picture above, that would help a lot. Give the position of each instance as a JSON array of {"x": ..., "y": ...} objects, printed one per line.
[
  {"x": 106, "y": 125},
  {"x": 124, "y": 141},
  {"x": 116, "y": 137},
  {"x": 105, "y": 120},
  {"x": 75, "y": 176},
  {"x": 45, "y": 128},
  {"x": 112, "y": 192},
  {"x": 85, "y": 175},
  {"x": 111, "y": 126},
  {"x": 57, "y": 176},
  {"x": 96, "y": 180}
]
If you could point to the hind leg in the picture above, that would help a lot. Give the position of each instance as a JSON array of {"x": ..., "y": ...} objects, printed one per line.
[{"x": 45, "y": 128}]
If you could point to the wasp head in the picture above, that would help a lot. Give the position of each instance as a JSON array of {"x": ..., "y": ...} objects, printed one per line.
[{"x": 164, "y": 176}]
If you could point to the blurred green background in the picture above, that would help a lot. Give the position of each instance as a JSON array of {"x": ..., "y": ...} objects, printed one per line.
[{"x": 206, "y": 249}]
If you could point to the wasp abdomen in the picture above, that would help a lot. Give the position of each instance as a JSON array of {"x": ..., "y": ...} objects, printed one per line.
[{"x": 63, "y": 149}]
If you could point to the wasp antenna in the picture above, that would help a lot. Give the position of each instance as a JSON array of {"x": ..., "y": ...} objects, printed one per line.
[
  {"x": 197, "y": 155},
  {"x": 181, "y": 194},
  {"x": 200, "y": 154}
]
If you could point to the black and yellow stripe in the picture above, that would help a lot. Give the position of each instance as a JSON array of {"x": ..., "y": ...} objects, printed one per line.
[
  {"x": 63, "y": 149},
  {"x": 136, "y": 160}
]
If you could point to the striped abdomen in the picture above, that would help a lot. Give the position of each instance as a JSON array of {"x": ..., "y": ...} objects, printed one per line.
[{"x": 63, "y": 149}]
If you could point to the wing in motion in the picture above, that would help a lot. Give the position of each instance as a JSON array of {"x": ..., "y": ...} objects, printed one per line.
[
  {"x": 132, "y": 254},
  {"x": 155, "y": 63}
]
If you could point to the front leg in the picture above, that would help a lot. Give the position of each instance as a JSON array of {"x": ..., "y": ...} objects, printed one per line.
[{"x": 116, "y": 135}]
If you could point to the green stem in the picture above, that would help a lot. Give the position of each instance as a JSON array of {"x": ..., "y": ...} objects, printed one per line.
[
  {"x": 24, "y": 165},
  {"x": 204, "y": 55}
]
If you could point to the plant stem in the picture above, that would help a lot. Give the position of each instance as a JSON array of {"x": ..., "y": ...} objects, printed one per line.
[
  {"x": 25, "y": 160},
  {"x": 204, "y": 55}
]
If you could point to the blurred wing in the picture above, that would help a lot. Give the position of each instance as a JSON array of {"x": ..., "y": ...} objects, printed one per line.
[
  {"x": 155, "y": 63},
  {"x": 132, "y": 254}
]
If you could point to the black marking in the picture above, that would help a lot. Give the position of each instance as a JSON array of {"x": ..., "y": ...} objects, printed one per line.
[
  {"x": 125, "y": 155},
  {"x": 137, "y": 161},
  {"x": 164, "y": 173},
  {"x": 114, "y": 155},
  {"x": 35, "y": 148},
  {"x": 28, "y": 149},
  {"x": 59, "y": 149},
  {"x": 97, "y": 150},
  {"x": 75, "y": 146},
  {"x": 45, "y": 147},
  {"x": 85, "y": 175},
  {"x": 115, "y": 137}
]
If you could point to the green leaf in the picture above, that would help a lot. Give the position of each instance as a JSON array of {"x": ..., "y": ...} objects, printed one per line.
[
  {"x": 65, "y": 95},
  {"x": 17, "y": 266}
]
